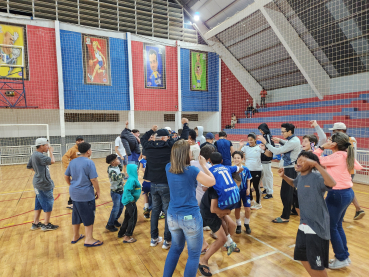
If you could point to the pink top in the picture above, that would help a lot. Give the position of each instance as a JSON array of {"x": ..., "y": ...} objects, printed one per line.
[{"x": 336, "y": 166}]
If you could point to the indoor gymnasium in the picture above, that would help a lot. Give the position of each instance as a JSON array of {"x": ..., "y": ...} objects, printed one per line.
[{"x": 184, "y": 138}]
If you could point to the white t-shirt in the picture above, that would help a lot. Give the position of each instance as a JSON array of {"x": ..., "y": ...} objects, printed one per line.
[
  {"x": 253, "y": 157},
  {"x": 195, "y": 149},
  {"x": 118, "y": 142},
  {"x": 199, "y": 191}
]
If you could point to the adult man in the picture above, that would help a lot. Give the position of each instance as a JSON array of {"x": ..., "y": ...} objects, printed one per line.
[
  {"x": 341, "y": 127},
  {"x": 158, "y": 156},
  {"x": 131, "y": 143},
  {"x": 81, "y": 177},
  {"x": 42, "y": 184},
  {"x": 209, "y": 140},
  {"x": 155, "y": 77},
  {"x": 71, "y": 154},
  {"x": 290, "y": 148},
  {"x": 263, "y": 95},
  {"x": 122, "y": 156}
]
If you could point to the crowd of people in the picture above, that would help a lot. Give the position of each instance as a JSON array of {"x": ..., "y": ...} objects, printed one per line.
[{"x": 195, "y": 182}]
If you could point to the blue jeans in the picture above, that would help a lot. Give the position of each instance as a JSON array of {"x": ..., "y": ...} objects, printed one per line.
[
  {"x": 337, "y": 203},
  {"x": 44, "y": 200},
  {"x": 160, "y": 201},
  {"x": 189, "y": 231},
  {"x": 117, "y": 207}
]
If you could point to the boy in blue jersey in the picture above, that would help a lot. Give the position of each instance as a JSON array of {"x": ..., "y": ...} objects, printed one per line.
[
  {"x": 227, "y": 189},
  {"x": 243, "y": 179},
  {"x": 146, "y": 186},
  {"x": 225, "y": 148}
]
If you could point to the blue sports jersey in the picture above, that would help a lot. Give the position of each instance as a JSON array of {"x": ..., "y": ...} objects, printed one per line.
[
  {"x": 245, "y": 175},
  {"x": 143, "y": 162},
  {"x": 225, "y": 186}
]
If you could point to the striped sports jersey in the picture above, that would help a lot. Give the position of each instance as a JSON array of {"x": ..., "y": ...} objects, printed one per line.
[{"x": 245, "y": 175}]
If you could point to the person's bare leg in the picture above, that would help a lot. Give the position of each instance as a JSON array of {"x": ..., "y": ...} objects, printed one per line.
[
  {"x": 231, "y": 225},
  {"x": 76, "y": 233},
  {"x": 204, "y": 244},
  {"x": 237, "y": 213},
  {"x": 247, "y": 212},
  {"x": 298, "y": 211},
  {"x": 146, "y": 198},
  {"x": 356, "y": 204},
  {"x": 313, "y": 272},
  {"x": 36, "y": 218},
  {"x": 89, "y": 238},
  {"x": 47, "y": 218}
]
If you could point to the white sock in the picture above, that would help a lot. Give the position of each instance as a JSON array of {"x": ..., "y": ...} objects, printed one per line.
[
  {"x": 247, "y": 220},
  {"x": 229, "y": 240},
  {"x": 238, "y": 221},
  {"x": 146, "y": 205}
]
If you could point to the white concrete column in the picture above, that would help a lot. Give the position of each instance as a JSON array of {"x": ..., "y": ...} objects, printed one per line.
[
  {"x": 131, "y": 113},
  {"x": 178, "y": 115},
  {"x": 220, "y": 97}
]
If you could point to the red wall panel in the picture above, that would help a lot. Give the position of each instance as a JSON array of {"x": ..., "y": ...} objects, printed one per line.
[
  {"x": 234, "y": 97},
  {"x": 155, "y": 99},
  {"x": 42, "y": 87}
]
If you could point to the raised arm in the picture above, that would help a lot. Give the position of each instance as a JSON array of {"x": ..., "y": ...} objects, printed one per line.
[
  {"x": 322, "y": 136},
  {"x": 185, "y": 130},
  {"x": 145, "y": 138},
  {"x": 287, "y": 179},
  {"x": 281, "y": 150}
]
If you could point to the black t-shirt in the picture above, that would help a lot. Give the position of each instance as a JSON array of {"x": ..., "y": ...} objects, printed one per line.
[
  {"x": 207, "y": 143},
  {"x": 206, "y": 203}
]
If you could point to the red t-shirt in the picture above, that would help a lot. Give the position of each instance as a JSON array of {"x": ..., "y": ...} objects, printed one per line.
[{"x": 263, "y": 93}]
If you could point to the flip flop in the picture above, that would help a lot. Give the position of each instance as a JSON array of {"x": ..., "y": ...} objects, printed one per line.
[
  {"x": 131, "y": 240},
  {"x": 94, "y": 244},
  {"x": 69, "y": 207},
  {"x": 202, "y": 271},
  {"x": 75, "y": 241},
  {"x": 279, "y": 220}
]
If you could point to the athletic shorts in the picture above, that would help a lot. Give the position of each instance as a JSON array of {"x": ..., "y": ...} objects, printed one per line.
[
  {"x": 245, "y": 200},
  {"x": 213, "y": 222},
  {"x": 312, "y": 248},
  {"x": 146, "y": 186},
  {"x": 228, "y": 207},
  {"x": 44, "y": 200},
  {"x": 125, "y": 161},
  {"x": 84, "y": 212},
  {"x": 100, "y": 63}
]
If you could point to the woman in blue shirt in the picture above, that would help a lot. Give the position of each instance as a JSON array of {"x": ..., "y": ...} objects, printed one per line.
[{"x": 184, "y": 218}]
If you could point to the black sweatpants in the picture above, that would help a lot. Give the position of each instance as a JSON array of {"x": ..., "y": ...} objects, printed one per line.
[
  {"x": 130, "y": 220},
  {"x": 255, "y": 181},
  {"x": 287, "y": 193}
]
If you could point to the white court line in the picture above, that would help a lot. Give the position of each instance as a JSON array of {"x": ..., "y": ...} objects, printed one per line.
[{"x": 245, "y": 262}]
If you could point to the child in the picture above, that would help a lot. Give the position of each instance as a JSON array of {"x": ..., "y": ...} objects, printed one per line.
[
  {"x": 309, "y": 142},
  {"x": 116, "y": 190},
  {"x": 194, "y": 147},
  {"x": 132, "y": 191},
  {"x": 146, "y": 185},
  {"x": 224, "y": 147},
  {"x": 312, "y": 241},
  {"x": 244, "y": 179}
]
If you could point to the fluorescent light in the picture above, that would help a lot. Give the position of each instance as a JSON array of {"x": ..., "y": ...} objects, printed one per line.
[{"x": 196, "y": 16}]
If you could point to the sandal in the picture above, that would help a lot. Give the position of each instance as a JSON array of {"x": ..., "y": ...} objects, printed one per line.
[
  {"x": 203, "y": 272},
  {"x": 75, "y": 241},
  {"x": 279, "y": 220},
  {"x": 131, "y": 240},
  {"x": 94, "y": 244}
]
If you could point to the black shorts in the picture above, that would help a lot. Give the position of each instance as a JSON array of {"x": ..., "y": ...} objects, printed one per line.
[
  {"x": 84, "y": 212},
  {"x": 312, "y": 248},
  {"x": 213, "y": 222}
]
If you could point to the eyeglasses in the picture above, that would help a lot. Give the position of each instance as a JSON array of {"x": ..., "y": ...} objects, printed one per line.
[{"x": 284, "y": 132}]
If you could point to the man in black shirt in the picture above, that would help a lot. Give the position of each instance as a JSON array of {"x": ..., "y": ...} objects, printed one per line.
[
  {"x": 209, "y": 140},
  {"x": 157, "y": 156}
]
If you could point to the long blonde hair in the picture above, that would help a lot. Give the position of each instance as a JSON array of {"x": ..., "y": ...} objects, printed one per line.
[
  {"x": 180, "y": 157},
  {"x": 343, "y": 144}
]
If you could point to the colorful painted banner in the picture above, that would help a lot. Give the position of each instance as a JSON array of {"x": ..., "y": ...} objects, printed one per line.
[
  {"x": 96, "y": 60},
  {"x": 154, "y": 66},
  {"x": 13, "y": 59},
  {"x": 199, "y": 74}
]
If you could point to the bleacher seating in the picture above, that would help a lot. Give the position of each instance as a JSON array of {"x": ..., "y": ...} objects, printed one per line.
[{"x": 350, "y": 108}]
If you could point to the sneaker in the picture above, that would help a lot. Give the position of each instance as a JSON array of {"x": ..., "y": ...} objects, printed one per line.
[
  {"x": 253, "y": 202},
  {"x": 348, "y": 260},
  {"x": 336, "y": 264},
  {"x": 238, "y": 230},
  {"x": 162, "y": 216},
  {"x": 264, "y": 191},
  {"x": 49, "y": 227},
  {"x": 213, "y": 235},
  {"x": 154, "y": 242},
  {"x": 268, "y": 196},
  {"x": 36, "y": 226},
  {"x": 166, "y": 244},
  {"x": 206, "y": 228},
  {"x": 146, "y": 211},
  {"x": 90, "y": 76},
  {"x": 147, "y": 215},
  {"x": 111, "y": 228},
  {"x": 248, "y": 230},
  {"x": 231, "y": 248},
  {"x": 256, "y": 207},
  {"x": 359, "y": 215},
  {"x": 117, "y": 224}
]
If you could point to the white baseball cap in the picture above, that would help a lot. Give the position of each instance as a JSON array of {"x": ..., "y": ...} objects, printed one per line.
[
  {"x": 41, "y": 141},
  {"x": 338, "y": 126},
  {"x": 168, "y": 128}
]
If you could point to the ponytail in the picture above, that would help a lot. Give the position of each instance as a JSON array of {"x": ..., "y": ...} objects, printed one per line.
[
  {"x": 350, "y": 158},
  {"x": 343, "y": 144}
]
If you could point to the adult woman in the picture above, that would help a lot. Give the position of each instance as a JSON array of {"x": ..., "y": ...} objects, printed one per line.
[
  {"x": 184, "y": 218},
  {"x": 253, "y": 163},
  {"x": 233, "y": 120},
  {"x": 339, "y": 165}
]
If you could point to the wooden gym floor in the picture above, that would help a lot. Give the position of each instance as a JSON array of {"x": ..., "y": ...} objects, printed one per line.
[{"x": 268, "y": 251}]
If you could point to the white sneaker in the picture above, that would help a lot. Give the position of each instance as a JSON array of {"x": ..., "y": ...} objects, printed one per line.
[
  {"x": 256, "y": 207},
  {"x": 213, "y": 235},
  {"x": 206, "y": 228},
  {"x": 348, "y": 260},
  {"x": 154, "y": 242},
  {"x": 166, "y": 244},
  {"x": 336, "y": 264},
  {"x": 253, "y": 202}
]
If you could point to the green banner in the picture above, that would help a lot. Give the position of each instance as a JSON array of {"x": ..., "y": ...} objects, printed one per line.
[{"x": 199, "y": 74}]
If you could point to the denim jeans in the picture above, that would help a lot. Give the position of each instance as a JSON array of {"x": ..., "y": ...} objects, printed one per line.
[
  {"x": 337, "y": 203},
  {"x": 189, "y": 231},
  {"x": 160, "y": 200},
  {"x": 117, "y": 207},
  {"x": 44, "y": 200}
]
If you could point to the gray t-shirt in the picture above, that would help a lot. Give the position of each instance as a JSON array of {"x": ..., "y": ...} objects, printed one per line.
[
  {"x": 40, "y": 164},
  {"x": 313, "y": 209}
]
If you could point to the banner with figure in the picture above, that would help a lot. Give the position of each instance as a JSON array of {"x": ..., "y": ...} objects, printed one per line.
[
  {"x": 154, "y": 66},
  {"x": 13, "y": 57},
  {"x": 96, "y": 60},
  {"x": 199, "y": 73}
]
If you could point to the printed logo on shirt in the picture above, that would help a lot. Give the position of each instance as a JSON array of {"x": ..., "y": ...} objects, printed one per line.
[
  {"x": 248, "y": 201},
  {"x": 318, "y": 261},
  {"x": 257, "y": 176}
]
